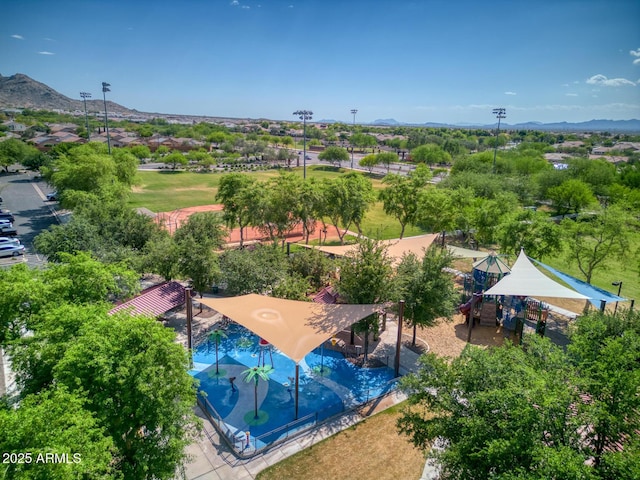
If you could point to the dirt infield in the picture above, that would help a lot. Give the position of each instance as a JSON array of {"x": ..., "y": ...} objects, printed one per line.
[{"x": 174, "y": 219}]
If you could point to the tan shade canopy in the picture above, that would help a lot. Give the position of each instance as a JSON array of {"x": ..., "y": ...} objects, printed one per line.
[
  {"x": 395, "y": 248},
  {"x": 295, "y": 328}
]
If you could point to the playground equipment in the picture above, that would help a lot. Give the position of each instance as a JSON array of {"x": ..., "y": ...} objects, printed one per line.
[{"x": 486, "y": 273}]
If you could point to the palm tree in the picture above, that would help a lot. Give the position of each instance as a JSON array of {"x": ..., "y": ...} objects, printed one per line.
[
  {"x": 215, "y": 336},
  {"x": 255, "y": 374}
]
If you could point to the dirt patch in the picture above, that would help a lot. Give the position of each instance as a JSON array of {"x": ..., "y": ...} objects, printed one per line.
[
  {"x": 174, "y": 219},
  {"x": 448, "y": 339}
]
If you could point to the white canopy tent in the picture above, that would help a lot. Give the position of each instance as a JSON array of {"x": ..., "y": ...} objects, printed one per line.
[{"x": 526, "y": 280}]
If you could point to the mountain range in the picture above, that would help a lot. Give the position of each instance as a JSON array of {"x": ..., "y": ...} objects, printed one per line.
[{"x": 21, "y": 91}]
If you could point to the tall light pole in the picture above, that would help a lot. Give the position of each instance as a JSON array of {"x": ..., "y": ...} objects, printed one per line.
[
  {"x": 619, "y": 285},
  {"x": 353, "y": 112},
  {"x": 304, "y": 115},
  {"x": 84, "y": 96},
  {"x": 500, "y": 113},
  {"x": 105, "y": 89}
]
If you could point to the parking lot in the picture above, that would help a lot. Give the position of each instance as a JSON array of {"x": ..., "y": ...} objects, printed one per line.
[{"x": 24, "y": 194}]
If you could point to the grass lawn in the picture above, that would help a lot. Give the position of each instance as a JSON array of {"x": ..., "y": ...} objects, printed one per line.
[
  {"x": 370, "y": 449},
  {"x": 166, "y": 191}
]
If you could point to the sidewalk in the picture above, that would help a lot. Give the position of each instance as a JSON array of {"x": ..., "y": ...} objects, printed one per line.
[{"x": 211, "y": 457}]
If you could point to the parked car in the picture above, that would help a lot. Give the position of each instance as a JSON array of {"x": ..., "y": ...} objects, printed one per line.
[
  {"x": 5, "y": 222},
  {"x": 7, "y": 231},
  {"x": 7, "y": 215},
  {"x": 11, "y": 250},
  {"x": 9, "y": 241},
  {"x": 52, "y": 197}
]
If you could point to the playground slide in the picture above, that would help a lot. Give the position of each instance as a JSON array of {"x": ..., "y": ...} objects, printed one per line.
[{"x": 466, "y": 307}]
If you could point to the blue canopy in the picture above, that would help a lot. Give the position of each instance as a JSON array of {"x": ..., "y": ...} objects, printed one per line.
[{"x": 595, "y": 294}]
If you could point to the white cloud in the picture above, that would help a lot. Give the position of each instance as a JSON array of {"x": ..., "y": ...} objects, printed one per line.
[
  {"x": 564, "y": 85},
  {"x": 18, "y": 37},
  {"x": 246, "y": 7},
  {"x": 635, "y": 53},
  {"x": 49, "y": 39},
  {"x": 510, "y": 93},
  {"x": 235, "y": 3},
  {"x": 609, "y": 82},
  {"x": 571, "y": 94},
  {"x": 46, "y": 53},
  {"x": 290, "y": 6}
]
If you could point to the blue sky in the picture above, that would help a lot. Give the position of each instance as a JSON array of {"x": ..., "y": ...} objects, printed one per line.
[{"x": 414, "y": 61}]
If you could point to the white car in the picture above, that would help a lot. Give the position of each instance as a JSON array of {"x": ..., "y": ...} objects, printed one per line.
[
  {"x": 9, "y": 241},
  {"x": 11, "y": 250},
  {"x": 5, "y": 222}
]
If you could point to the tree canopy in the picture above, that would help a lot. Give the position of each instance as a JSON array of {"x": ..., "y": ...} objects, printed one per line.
[{"x": 535, "y": 411}]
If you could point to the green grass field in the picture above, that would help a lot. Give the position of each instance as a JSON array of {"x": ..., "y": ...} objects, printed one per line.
[{"x": 166, "y": 191}]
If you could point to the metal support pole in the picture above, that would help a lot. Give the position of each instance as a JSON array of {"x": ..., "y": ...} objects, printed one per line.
[
  {"x": 473, "y": 305},
  {"x": 297, "y": 390},
  {"x": 84, "y": 96},
  {"x": 500, "y": 114},
  {"x": 399, "y": 340},
  {"x": 105, "y": 89},
  {"x": 353, "y": 111},
  {"x": 187, "y": 299}
]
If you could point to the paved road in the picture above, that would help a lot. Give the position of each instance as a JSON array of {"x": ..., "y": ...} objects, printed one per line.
[{"x": 25, "y": 196}]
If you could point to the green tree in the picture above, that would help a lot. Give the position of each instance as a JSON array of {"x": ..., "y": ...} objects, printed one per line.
[
  {"x": 369, "y": 162},
  {"x": 313, "y": 265},
  {"x": 430, "y": 154},
  {"x": 56, "y": 422},
  {"x": 592, "y": 239},
  {"x": 199, "y": 263},
  {"x": 307, "y": 206},
  {"x": 279, "y": 199},
  {"x": 438, "y": 209},
  {"x": 366, "y": 278},
  {"x": 252, "y": 271},
  {"x": 161, "y": 256},
  {"x": 76, "y": 235},
  {"x": 13, "y": 151},
  {"x": 134, "y": 376},
  {"x": 174, "y": 159},
  {"x": 334, "y": 155},
  {"x": 205, "y": 228},
  {"x": 386, "y": 159},
  {"x": 605, "y": 349},
  {"x": 504, "y": 412},
  {"x": 347, "y": 200},
  {"x": 533, "y": 231},
  {"x": 400, "y": 196},
  {"x": 428, "y": 291},
  {"x": 236, "y": 192},
  {"x": 141, "y": 152},
  {"x": 571, "y": 196},
  {"x": 255, "y": 374}
]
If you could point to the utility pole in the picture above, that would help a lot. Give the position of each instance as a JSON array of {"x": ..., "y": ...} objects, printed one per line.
[
  {"x": 304, "y": 115},
  {"x": 353, "y": 112},
  {"x": 500, "y": 113},
  {"x": 84, "y": 96},
  {"x": 105, "y": 89}
]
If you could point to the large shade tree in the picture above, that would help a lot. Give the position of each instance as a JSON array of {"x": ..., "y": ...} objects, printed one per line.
[
  {"x": 428, "y": 291},
  {"x": 534, "y": 411},
  {"x": 366, "y": 278}
]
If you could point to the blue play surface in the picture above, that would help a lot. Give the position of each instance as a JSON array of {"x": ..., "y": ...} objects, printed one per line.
[{"x": 329, "y": 384}]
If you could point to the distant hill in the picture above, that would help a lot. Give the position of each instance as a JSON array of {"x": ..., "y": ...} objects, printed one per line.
[{"x": 21, "y": 91}]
